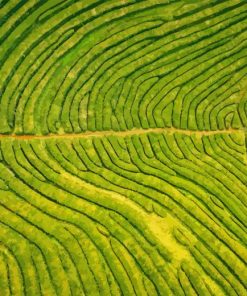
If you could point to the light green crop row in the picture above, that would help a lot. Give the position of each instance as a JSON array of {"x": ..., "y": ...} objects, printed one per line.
[{"x": 71, "y": 199}]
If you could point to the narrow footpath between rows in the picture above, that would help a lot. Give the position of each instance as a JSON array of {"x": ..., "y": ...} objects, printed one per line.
[{"x": 125, "y": 133}]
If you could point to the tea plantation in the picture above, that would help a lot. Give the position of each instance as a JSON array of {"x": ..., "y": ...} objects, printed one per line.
[{"x": 123, "y": 162}]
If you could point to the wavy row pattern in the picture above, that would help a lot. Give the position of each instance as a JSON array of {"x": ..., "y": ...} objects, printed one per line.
[
  {"x": 123, "y": 148},
  {"x": 124, "y": 216},
  {"x": 71, "y": 66}
]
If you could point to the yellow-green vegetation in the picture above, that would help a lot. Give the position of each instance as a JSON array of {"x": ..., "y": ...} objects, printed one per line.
[{"x": 123, "y": 163}]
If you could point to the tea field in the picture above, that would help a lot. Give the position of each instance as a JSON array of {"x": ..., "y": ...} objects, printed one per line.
[{"x": 123, "y": 160}]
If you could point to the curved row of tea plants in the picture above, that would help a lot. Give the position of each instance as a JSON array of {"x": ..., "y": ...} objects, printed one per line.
[
  {"x": 155, "y": 214},
  {"x": 134, "y": 213},
  {"x": 70, "y": 66}
]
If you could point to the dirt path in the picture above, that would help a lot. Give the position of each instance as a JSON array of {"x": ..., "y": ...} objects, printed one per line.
[{"x": 119, "y": 133}]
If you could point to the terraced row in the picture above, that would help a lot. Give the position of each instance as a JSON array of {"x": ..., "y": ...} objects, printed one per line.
[
  {"x": 71, "y": 66},
  {"x": 154, "y": 214}
]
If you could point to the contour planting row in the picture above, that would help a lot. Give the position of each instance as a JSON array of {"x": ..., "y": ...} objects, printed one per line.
[
  {"x": 41, "y": 36},
  {"x": 173, "y": 206},
  {"x": 122, "y": 64}
]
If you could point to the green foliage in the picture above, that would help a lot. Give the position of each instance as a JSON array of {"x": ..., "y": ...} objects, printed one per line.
[{"x": 123, "y": 148}]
